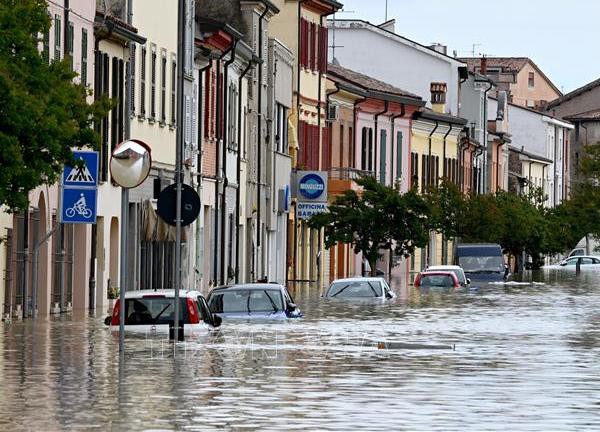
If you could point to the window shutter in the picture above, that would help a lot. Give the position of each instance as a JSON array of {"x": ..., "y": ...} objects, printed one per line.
[
  {"x": 313, "y": 46},
  {"x": 314, "y": 157},
  {"x": 132, "y": 64},
  {"x": 84, "y": 57},
  {"x": 213, "y": 102},
  {"x": 399, "y": 154},
  {"x": 324, "y": 39},
  {"x": 303, "y": 42},
  {"x": 206, "y": 114},
  {"x": 382, "y": 155},
  {"x": 188, "y": 122}
]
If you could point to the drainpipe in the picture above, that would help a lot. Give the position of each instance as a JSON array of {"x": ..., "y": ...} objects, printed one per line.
[
  {"x": 219, "y": 131},
  {"x": 487, "y": 173},
  {"x": 238, "y": 171},
  {"x": 463, "y": 147},
  {"x": 428, "y": 178},
  {"x": 445, "y": 171},
  {"x": 225, "y": 151},
  {"x": 259, "y": 136},
  {"x": 328, "y": 96},
  {"x": 393, "y": 139},
  {"x": 474, "y": 155},
  {"x": 543, "y": 180},
  {"x": 385, "y": 110}
]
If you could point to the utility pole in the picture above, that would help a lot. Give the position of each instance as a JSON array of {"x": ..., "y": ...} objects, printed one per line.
[
  {"x": 386, "y": 10},
  {"x": 179, "y": 158}
]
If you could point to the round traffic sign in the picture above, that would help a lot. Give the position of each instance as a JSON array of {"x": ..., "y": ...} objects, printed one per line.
[
  {"x": 167, "y": 203},
  {"x": 311, "y": 186}
]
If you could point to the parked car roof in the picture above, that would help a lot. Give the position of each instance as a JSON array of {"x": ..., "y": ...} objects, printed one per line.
[
  {"x": 251, "y": 286},
  {"x": 444, "y": 267},
  {"x": 163, "y": 292},
  {"x": 360, "y": 279}
]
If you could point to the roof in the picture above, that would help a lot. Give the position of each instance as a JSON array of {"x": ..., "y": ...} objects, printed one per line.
[
  {"x": 444, "y": 267},
  {"x": 530, "y": 155},
  {"x": 375, "y": 87},
  {"x": 352, "y": 24},
  {"x": 588, "y": 115},
  {"x": 429, "y": 114},
  {"x": 508, "y": 64},
  {"x": 574, "y": 93}
]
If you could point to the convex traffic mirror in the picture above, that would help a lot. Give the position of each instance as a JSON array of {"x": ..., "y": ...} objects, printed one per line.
[{"x": 130, "y": 163}]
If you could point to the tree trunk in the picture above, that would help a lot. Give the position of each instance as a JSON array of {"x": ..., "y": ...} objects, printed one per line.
[{"x": 373, "y": 265}]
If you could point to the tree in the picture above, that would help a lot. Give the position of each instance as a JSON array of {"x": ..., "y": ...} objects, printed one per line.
[
  {"x": 43, "y": 113},
  {"x": 447, "y": 206},
  {"x": 375, "y": 219}
]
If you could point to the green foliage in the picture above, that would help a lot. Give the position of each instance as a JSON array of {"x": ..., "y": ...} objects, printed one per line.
[
  {"x": 447, "y": 206},
  {"x": 43, "y": 114},
  {"x": 375, "y": 219}
]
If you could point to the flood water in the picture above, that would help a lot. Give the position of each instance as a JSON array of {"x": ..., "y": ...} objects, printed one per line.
[{"x": 524, "y": 358}]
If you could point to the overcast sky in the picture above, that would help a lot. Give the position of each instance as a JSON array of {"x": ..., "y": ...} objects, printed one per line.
[{"x": 561, "y": 37}]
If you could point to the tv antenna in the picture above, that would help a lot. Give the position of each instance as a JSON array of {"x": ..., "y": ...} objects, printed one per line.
[
  {"x": 474, "y": 50},
  {"x": 333, "y": 45}
]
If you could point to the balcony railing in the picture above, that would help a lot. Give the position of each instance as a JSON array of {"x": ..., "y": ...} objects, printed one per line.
[{"x": 345, "y": 173}]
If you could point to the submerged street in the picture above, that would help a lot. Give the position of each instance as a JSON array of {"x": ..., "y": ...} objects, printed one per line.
[{"x": 526, "y": 357}]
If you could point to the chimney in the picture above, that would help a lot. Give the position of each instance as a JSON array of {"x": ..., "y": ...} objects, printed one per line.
[
  {"x": 389, "y": 25},
  {"x": 483, "y": 67},
  {"x": 438, "y": 96},
  {"x": 438, "y": 47}
]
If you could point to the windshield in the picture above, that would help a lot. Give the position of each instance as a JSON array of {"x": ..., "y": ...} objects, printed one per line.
[
  {"x": 436, "y": 281},
  {"x": 475, "y": 264},
  {"x": 460, "y": 275},
  {"x": 355, "y": 289},
  {"x": 246, "y": 301},
  {"x": 153, "y": 310}
]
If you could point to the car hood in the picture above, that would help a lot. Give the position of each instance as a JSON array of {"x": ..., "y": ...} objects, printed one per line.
[
  {"x": 259, "y": 315},
  {"x": 485, "y": 277}
]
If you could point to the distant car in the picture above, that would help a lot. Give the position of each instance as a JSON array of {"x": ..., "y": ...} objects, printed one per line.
[
  {"x": 482, "y": 262},
  {"x": 587, "y": 262},
  {"x": 457, "y": 270},
  {"x": 253, "y": 301},
  {"x": 437, "y": 279},
  {"x": 360, "y": 288},
  {"x": 149, "y": 311}
]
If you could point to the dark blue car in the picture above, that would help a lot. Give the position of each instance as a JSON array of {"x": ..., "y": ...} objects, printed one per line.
[
  {"x": 482, "y": 262},
  {"x": 253, "y": 301}
]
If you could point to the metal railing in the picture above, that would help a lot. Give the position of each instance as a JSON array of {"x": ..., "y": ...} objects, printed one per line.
[{"x": 345, "y": 173}]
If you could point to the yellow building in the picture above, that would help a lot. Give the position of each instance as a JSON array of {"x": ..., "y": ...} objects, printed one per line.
[
  {"x": 302, "y": 27},
  {"x": 434, "y": 156}
]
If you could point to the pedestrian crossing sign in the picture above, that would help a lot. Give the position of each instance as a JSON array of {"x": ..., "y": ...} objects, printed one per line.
[{"x": 84, "y": 174}]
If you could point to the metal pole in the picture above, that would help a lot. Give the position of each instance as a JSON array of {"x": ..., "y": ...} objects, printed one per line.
[
  {"x": 123, "y": 265},
  {"x": 35, "y": 263},
  {"x": 178, "y": 157}
]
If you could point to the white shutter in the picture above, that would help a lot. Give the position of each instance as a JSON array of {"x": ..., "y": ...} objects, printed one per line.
[{"x": 188, "y": 121}]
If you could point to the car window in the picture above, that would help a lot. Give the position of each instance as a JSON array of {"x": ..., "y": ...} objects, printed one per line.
[
  {"x": 586, "y": 261},
  {"x": 596, "y": 260},
  {"x": 265, "y": 301},
  {"x": 153, "y": 310},
  {"x": 355, "y": 289},
  {"x": 436, "y": 281},
  {"x": 572, "y": 261},
  {"x": 205, "y": 313}
]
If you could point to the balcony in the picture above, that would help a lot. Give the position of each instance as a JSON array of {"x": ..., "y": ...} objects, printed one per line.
[{"x": 342, "y": 179}]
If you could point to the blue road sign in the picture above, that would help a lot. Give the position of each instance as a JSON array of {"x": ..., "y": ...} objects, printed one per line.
[
  {"x": 85, "y": 175},
  {"x": 79, "y": 205}
]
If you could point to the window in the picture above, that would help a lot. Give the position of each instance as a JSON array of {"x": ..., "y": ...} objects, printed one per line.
[
  {"x": 132, "y": 62},
  {"x": 531, "y": 80},
  {"x": 351, "y": 159},
  {"x": 399, "y": 155},
  {"x": 281, "y": 136},
  {"x": 341, "y": 144},
  {"x": 114, "y": 94},
  {"x": 371, "y": 149},
  {"x": 153, "y": 83},
  {"x": 69, "y": 44},
  {"x": 414, "y": 169},
  {"x": 84, "y": 56},
  {"x": 57, "y": 36},
  {"x": 163, "y": 87},
  {"x": 382, "y": 155},
  {"x": 173, "y": 92},
  {"x": 233, "y": 118},
  {"x": 143, "y": 82},
  {"x": 46, "y": 48},
  {"x": 364, "y": 149}
]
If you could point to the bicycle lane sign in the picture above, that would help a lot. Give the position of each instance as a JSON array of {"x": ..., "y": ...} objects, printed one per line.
[{"x": 79, "y": 189}]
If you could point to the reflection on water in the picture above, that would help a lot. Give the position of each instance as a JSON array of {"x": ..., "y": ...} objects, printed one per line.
[{"x": 527, "y": 357}]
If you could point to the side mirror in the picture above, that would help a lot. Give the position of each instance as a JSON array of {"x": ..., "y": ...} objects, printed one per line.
[
  {"x": 468, "y": 281},
  {"x": 217, "y": 320},
  {"x": 107, "y": 320},
  {"x": 292, "y": 307},
  {"x": 388, "y": 295},
  {"x": 564, "y": 263}
]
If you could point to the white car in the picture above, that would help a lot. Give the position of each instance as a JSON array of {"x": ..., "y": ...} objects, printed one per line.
[
  {"x": 587, "y": 262},
  {"x": 360, "y": 288},
  {"x": 457, "y": 270},
  {"x": 152, "y": 312}
]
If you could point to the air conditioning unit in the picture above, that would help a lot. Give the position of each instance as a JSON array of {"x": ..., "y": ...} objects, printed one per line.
[{"x": 333, "y": 112}]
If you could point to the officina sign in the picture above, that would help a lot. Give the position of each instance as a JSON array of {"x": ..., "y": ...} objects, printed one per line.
[{"x": 311, "y": 186}]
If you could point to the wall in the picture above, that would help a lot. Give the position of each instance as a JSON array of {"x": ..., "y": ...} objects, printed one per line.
[
  {"x": 587, "y": 101},
  {"x": 368, "y": 50},
  {"x": 541, "y": 90}
]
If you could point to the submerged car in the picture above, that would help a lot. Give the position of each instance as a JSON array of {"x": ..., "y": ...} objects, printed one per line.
[
  {"x": 253, "y": 301},
  {"x": 482, "y": 262},
  {"x": 585, "y": 262},
  {"x": 457, "y": 270},
  {"x": 149, "y": 312},
  {"x": 437, "y": 279},
  {"x": 360, "y": 288}
]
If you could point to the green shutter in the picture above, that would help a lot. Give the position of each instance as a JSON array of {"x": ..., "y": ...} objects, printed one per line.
[
  {"x": 84, "y": 59},
  {"x": 399, "y": 155}
]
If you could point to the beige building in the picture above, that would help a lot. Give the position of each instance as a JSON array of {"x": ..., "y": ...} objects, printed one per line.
[{"x": 525, "y": 82}]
